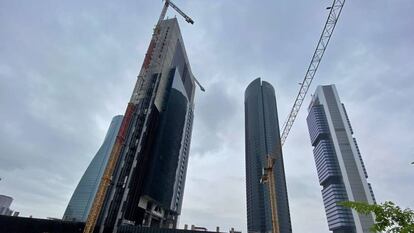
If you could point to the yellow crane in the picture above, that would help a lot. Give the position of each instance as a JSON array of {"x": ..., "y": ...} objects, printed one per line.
[
  {"x": 122, "y": 134},
  {"x": 268, "y": 175}
]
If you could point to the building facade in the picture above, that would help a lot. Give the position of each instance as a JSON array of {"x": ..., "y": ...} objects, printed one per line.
[
  {"x": 339, "y": 164},
  {"x": 148, "y": 182},
  {"x": 263, "y": 138},
  {"x": 82, "y": 198},
  {"x": 5, "y": 202}
]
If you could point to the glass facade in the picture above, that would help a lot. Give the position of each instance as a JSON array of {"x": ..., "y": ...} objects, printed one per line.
[
  {"x": 149, "y": 179},
  {"x": 339, "y": 164},
  {"x": 165, "y": 178},
  {"x": 82, "y": 199},
  {"x": 263, "y": 138}
]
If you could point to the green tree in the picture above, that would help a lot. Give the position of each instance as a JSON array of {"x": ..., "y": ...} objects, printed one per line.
[{"x": 388, "y": 216}]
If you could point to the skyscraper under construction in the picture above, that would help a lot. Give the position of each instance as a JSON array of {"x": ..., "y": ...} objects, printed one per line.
[
  {"x": 262, "y": 139},
  {"x": 147, "y": 184}
]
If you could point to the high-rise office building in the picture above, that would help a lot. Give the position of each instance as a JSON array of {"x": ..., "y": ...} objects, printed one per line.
[
  {"x": 147, "y": 185},
  {"x": 263, "y": 138},
  {"x": 339, "y": 164},
  {"x": 5, "y": 202},
  {"x": 81, "y": 201}
]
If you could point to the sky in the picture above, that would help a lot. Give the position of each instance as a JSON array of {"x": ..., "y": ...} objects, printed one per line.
[{"x": 68, "y": 67}]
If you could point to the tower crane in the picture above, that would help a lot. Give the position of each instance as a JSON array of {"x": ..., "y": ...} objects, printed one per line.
[
  {"x": 268, "y": 175},
  {"x": 187, "y": 19},
  {"x": 268, "y": 178},
  {"x": 334, "y": 13},
  {"x": 120, "y": 140}
]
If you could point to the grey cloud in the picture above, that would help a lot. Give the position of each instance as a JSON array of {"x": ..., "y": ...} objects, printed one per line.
[
  {"x": 215, "y": 113},
  {"x": 67, "y": 68},
  {"x": 55, "y": 81}
]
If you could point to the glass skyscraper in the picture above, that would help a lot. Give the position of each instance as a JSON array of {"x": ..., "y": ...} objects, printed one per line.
[
  {"x": 5, "y": 202},
  {"x": 81, "y": 201},
  {"x": 263, "y": 138},
  {"x": 339, "y": 164},
  {"x": 147, "y": 188}
]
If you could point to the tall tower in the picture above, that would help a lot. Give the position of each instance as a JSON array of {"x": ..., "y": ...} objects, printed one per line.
[
  {"x": 339, "y": 164},
  {"x": 5, "y": 202},
  {"x": 82, "y": 198},
  {"x": 263, "y": 138},
  {"x": 147, "y": 185}
]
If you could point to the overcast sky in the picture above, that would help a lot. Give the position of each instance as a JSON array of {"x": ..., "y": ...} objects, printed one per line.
[{"x": 67, "y": 67}]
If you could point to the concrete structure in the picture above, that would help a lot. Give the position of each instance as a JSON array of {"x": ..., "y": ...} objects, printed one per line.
[
  {"x": 263, "y": 138},
  {"x": 148, "y": 182},
  {"x": 341, "y": 170},
  {"x": 82, "y": 198},
  {"x": 5, "y": 202}
]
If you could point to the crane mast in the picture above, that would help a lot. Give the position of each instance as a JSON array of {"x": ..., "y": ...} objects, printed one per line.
[
  {"x": 268, "y": 175},
  {"x": 120, "y": 139},
  {"x": 269, "y": 178}
]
